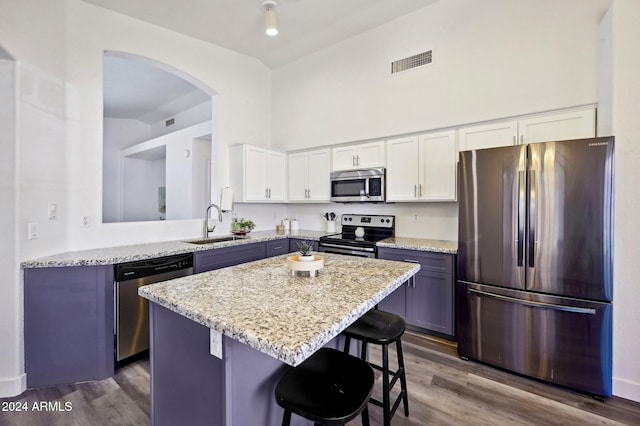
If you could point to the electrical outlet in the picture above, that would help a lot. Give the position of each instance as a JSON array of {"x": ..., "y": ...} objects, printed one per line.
[
  {"x": 415, "y": 217},
  {"x": 84, "y": 221},
  {"x": 32, "y": 230},
  {"x": 215, "y": 343},
  {"x": 53, "y": 210}
]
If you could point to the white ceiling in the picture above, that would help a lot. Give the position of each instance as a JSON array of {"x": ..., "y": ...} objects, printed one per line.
[
  {"x": 136, "y": 89},
  {"x": 139, "y": 90},
  {"x": 306, "y": 26}
]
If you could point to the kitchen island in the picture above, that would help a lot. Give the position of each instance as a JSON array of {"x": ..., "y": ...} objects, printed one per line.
[{"x": 259, "y": 319}]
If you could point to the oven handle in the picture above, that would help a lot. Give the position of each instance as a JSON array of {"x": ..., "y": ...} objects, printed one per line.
[
  {"x": 348, "y": 252},
  {"x": 365, "y": 249}
]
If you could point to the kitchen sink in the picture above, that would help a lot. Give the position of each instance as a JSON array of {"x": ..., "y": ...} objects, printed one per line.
[{"x": 214, "y": 240}]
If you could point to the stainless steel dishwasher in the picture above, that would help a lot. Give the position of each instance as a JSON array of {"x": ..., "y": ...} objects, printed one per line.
[{"x": 131, "y": 326}]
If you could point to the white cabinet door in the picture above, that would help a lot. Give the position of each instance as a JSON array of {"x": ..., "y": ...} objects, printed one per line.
[
  {"x": 258, "y": 174},
  {"x": 438, "y": 156},
  {"x": 318, "y": 177},
  {"x": 298, "y": 176},
  {"x": 360, "y": 156},
  {"x": 370, "y": 155},
  {"x": 567, "y": 125},
  {"x": 488, "y": 135},
  {"x": 403, "y": 166},
  {"x": 276, "y": 176},
  {"x": 309, "y": 175},
  {"x": 255, "y": 173},
  {"x": 344, "y": 157}
]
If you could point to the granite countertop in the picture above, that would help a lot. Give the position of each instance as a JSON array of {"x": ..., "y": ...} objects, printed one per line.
[
  {"x": 121, "y": 254},
  {"x": 260, "y": 304},
  {"x": 421, "y": 244}
]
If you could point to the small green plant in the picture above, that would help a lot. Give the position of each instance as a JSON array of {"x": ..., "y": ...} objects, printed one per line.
[
  {"x": 305, "y": 248},
  {"x": 243, "y": 225}
]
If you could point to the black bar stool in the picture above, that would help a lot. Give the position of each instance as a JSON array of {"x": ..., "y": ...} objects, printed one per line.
[
  {"x": 328, "y": 388},
  {"x": 382, "y": 328}
]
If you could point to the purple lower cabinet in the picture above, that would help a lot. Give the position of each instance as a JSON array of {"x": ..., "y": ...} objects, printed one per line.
[
  {"x": 191, "y": 386},
  {"x": 68, "y": 324}
]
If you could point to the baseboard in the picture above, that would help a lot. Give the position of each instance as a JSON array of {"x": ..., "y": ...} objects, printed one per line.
[
  {"x": 12, "y": 386},
  {"x": 626, "y": 389}
]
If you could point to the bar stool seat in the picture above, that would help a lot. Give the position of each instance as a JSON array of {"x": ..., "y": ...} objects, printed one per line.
[
  {"x": 382, "y": 328},
  {"x": 328, "y": 388}
]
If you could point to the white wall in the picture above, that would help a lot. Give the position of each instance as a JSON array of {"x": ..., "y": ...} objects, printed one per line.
[
  {"x": 11, "y": 379},
  {"x": 622, "y": 111},
  {"x": 495, "y": 58},
  {"x": 436, "y": 221},
  {"x": 119, "y": 133},
  {"x": 242, "y": 85},
  {"x": 492, "y": 59},
  {"x": 59, "y": 47}
]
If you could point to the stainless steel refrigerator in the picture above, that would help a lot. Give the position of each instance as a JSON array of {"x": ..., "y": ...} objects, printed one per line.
[{"x": 535, "y": 260}]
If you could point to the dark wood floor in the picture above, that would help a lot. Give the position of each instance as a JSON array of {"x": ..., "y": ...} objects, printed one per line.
[{"x": 443, "y": 390}]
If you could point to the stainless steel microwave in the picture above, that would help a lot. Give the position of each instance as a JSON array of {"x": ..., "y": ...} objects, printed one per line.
[{"x": 358, "y": 186}]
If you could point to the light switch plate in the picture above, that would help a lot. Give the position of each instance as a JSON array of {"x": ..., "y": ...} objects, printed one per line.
[
  {"x": 215, "y": 343},
  {"x": 32, "y": 230},
  {"x": 53, "y": 210}
]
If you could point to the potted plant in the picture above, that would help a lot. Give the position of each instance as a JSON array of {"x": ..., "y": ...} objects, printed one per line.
[
  {"x": 304, "y": 248},
  {"x": 242, "y": 226}
]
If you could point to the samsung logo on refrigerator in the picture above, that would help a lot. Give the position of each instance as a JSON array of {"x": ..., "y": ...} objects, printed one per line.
[{"x": 598, "y": 143}]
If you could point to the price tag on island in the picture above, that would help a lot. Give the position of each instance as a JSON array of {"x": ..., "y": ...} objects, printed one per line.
[{"x": 215, "y": 343}]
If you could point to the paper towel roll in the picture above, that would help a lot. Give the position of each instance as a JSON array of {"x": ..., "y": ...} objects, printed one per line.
[
  {"x": 226, "y": 199},
  {"x": 294, "y": 225}
]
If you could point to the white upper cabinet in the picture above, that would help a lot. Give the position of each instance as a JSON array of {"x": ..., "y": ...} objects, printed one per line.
[
  {"x": 309, "y": 175},
  {"x": 258, "y": 174},
  {"x": 438, "y": 157},
  {"x": 359, "y": 156},
  {"x": 488, "y": 135},
  {"x": 557, "y": 126},
  {"x": 422, "y": 168},
  {"x": 403, "y": 169}
]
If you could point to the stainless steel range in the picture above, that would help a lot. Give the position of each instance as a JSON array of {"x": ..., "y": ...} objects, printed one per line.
[{"x": 359, "y": 235}]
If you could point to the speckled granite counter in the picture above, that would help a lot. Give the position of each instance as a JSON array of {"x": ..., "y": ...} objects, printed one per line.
[
  {"x": 120, "y": 254},
  {"x": 421, "y": 244},
  {"x": 262, "y": 305}
]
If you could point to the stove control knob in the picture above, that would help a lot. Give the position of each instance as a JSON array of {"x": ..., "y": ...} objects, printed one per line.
[{"x": 382, "y": 220}]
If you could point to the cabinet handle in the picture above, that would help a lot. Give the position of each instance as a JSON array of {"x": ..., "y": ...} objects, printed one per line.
[
  {"x": 278, "y": 248},
  {"x": 308, "y": 193},
  {"x": 419, "y": 190},
  {"x": 266, "y": 193},
  {"x": 514, "y": 139},
  {"x": 411, "y": 260},
  {"x": 415, "y": 191},
  {"x": 357, "y": 160},
  {"x": 353, "y": 161}
]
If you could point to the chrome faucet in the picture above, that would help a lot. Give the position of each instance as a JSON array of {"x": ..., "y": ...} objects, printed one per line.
[{"x": 207, "y": 229}]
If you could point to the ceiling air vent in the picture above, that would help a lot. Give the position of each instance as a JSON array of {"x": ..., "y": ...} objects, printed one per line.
[
  {"x": 170, "y": 122},
  {"x": 424, "y": 58}
]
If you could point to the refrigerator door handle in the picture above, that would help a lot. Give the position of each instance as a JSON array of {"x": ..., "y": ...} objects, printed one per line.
[
  {"x": 533, "y": 194},
  {"x": 521, "y": 216},
  {"x": 534, "y": 304}
]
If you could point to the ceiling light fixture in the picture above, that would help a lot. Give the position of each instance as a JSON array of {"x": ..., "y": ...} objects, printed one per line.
[{"x": 270, "y": 17}]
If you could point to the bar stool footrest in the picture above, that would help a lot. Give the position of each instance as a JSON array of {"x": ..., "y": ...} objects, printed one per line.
[{"x": 395, "y": 406}]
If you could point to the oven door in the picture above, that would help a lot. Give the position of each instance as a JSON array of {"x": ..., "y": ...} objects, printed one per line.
[{"x": 347, "y": 250}]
